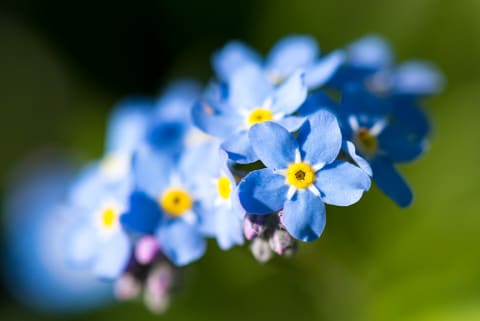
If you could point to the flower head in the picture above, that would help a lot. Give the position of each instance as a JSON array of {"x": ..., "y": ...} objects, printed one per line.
[{"x": 301, "y": 175}]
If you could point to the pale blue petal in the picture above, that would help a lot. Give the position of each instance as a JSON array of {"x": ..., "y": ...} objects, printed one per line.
[
  {"x": 211, "y": 121},
  {"x": 292, "y": 53},
  {"x": 262, "y": 192},
  {"x": 292, "y": 123},
  {"x": 322, "y": 71},
  {"x": 371, "y": 52},
  {"x": 233, "y": 56},
  {"x": 304, "y": 216},
  {"x": 81, "y": 245},
  {"x": 342, "y": 183},
  {"x": 249, "y": 88},
  {"x": 390, "y": 182},
  {"x": 229, "y": 231},
  {"x": 152, "y": 170},
  {"x": 320, "y": 138},
  {"x": 417, "y": 78},
  {"x": 113, "y": 256},
  {"x": 349, "y": 148},
  {"x": 128, "y": 124},
  {"x": 290, "y": 95},
  {"x": 273, "y": 144},
  {"x": 181, "y": 242},
  {"x": 239, "y": 149},
  {"x": 316, "y": 101}
]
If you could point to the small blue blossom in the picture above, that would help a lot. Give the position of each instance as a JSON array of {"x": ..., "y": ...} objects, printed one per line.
[
  {"x": 164, "y": 204},
  {"x": 217, "y": 192},
  {"x": 384, "y": 138},
  {"x": 369, "y": 63},
  {"x": 36, "y": 222},
  {"x": 302, "y": 175},
  {"x": 98, "y": 241},
  {"x": 251, "y": 99},
  {"x": 290, "y": 54}
]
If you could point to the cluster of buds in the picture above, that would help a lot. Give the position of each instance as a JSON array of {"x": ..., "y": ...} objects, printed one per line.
[
  {"x": 150, "y": 275},
  {"x": 268, "y": 236}
]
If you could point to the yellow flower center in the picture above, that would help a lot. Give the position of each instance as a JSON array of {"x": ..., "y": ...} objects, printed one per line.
[
  {"x": 366, "y": 142},
  {"x": 259, "y": 115},
  {"x": 224, "y": 187},
  {"x": 176, "y": 201},
  {"x": 109, "y": 218},
  {"x": 300, "y": 175}
]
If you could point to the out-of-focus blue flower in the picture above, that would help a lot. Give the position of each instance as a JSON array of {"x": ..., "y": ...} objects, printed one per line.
[
  {"x": 384, "y": 137},
  {"x": 290, "y": 54},
  {"x": 301, "y": 175},
  {"x": 251, "y": 99},
  {"x": 97, "y": 241},
  {"x": 217, "y": 190},
  {"x": 370, "y": 64},
  {"x": 37, "y": 221},
  {"x": 165, "y": 204}
]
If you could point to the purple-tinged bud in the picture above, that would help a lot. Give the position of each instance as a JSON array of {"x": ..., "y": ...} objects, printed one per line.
[
  {"x": 157, "y": 288},
  {"x": 281, "y": 242},
  {"x": 146, "y": 249},
  {"x": 127, "y": 287},
  {"x": 253, "y": 226},
  {"x": 261, "y": 250}
]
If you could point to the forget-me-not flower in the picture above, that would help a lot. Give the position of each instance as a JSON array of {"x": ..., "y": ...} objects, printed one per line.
[
  {"x": 288, "y": 55},
  {"x": 302, "y": 175},
  {"x": 251, "y": 99}
]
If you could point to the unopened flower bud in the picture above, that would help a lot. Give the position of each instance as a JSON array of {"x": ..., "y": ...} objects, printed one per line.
[
  {"x": 281, "y": 242},
  {"x": 261, "y": 250},
  {"x": 127, "y": 287},
  {"x": 146, "y": 249}
]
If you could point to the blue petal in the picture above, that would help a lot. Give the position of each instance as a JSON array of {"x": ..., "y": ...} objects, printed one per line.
[
  {"x": 321, "y": 72},
  {"x": 304, "y": 216},
  {"x": 249, "y": 88},
  {"x": 292, "y": 123},
  {"x": 341, "y": 183},
  {"x": 231, "y": 57},
  {"x": 229, "y": 229},
  {"x": 239, "y": 149},
  {"x": 292, "y": 53},
  {"x": 128, "y": 124},
  {"x": 167, "y": 135},
  {"x": 290, "y": 95},
  {"x": 81, "y": 245},
  {"x": 177, "y": 99},
  {"x": 152, "y": 170},
  {"x": 349, "y": 148},
  {"x": 273, "y": 144},
  {"x": 417, "y": 78},
  {"x": 143, "y": 214},
  {"x": 208, "y": 119},
  {"x": 316, "y": 101},
  {"x": 181, "y": 242},
  {"x": 408, "y": 114},
  {"x": 262, "y": 192},
  {"x": 399, "y": 146},
  {"x": 113, "y": 256},
  {"x": 320, "y": 139},
  {"x": 371, "y": 52},
  {"x": 390, "y": 182}
]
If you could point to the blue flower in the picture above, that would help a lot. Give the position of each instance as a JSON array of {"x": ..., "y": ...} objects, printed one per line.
[
  {"x": 384, "y": 137},
  {"x": 290, "y": 54},
  {"x": 249, "y": 99},
  {"x": 217, "y": 191},
  {"x": 36, "y": 222},
  {"x": 302, "y": 175},
  {"x": 165, "y": 204},
  {"x": 369, "y": 63},
  {"x": 97, "y": 240}
]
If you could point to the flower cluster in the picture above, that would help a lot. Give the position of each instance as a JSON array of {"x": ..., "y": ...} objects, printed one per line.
[{"x": 257, "y": 155}]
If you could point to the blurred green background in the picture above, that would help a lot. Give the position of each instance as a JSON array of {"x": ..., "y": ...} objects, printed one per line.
[{"x": 64, "y": 64}]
